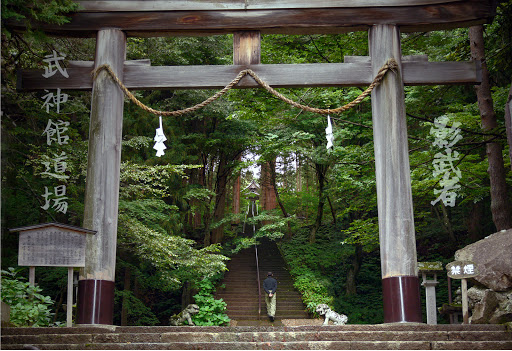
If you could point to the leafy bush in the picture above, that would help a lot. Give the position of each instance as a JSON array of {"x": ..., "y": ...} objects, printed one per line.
[
  {"x": 28, "y": 307},
  {"x": 310, "y": 265},
  {"x": 211, "y": 310},
  {"x": 138, "y": 313},
  {"x": 314, "y": 290}
]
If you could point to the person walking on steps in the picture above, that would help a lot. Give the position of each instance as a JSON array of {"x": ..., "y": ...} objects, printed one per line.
[{"x": 270, "y": 287}]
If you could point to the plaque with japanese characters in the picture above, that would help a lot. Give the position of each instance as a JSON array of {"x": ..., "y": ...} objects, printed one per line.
[
  {"x": 461, "y": 269},
  {"x": 52, "y": 245}
]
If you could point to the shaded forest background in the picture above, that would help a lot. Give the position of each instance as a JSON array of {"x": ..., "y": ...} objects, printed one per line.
[{"x": 177, "y": 218}]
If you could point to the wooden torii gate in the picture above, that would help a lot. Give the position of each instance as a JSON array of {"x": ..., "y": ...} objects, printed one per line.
[{"x": 111, "y": 21}]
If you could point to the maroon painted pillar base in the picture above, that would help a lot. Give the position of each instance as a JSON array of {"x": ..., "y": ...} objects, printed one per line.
[
  {"x": 95, "y": 302},
  {"x": 401, "y": 296}
]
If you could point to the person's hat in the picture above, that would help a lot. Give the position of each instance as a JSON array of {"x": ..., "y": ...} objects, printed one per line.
[{"x": 269, "y": 274}]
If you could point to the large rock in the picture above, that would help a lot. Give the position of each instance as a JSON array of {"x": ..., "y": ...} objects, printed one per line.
[
  {"x": 504, "y": 312},
  {"x": 6, "y": 315},
  {"x": 475, "y": 295},
  {"x": 484, "y": 310},
  {"x": 489, "y": 307},
  {"x": 493, "y": 259}
]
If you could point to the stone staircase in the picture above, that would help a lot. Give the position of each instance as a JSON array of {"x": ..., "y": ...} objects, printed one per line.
[
  {"x": 347, "y": 337},
  {"x": 241, "y": 287}
]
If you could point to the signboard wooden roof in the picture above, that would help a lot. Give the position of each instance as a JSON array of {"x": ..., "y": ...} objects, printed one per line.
[
  {"x": 53, "y": 224},
  {"x": 200, "y": 17}
]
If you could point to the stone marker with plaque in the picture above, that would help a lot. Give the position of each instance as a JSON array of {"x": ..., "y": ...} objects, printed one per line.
[
  {"x": 433, "y": 268},
  {"x": 463, "y": 270},
  {"x": 53, "y": 245}
]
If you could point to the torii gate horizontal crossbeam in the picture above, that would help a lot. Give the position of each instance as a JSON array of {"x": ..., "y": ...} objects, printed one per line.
[{"x": 141, "y": 77}]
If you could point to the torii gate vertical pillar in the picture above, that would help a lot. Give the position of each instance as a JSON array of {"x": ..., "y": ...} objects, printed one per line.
[
  {"x": 96, "y": 284},
  {"x": 401, "y": 292}
]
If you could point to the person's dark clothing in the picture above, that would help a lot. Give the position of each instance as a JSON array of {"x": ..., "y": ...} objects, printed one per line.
[{"x": 270, "y": 285}]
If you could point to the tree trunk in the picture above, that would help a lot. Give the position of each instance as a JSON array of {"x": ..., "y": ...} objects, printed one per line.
[
  {"x": 207, "y": 216},
  {"x": 124, "y": 308},
  {"x": 236, "y": 192},
  {"x": 195, "y": 176},
  {"x": 186, "y": 295},
  {"x": 446, "y": 222},
  {"x": 333, "y": 211},
  {"x": 320, "y": 172},
  {"x": 354, "y": 270},
  {"x": 474, "y": 222},
  {"x": 268, "y": 195},
  {"x": 298, "y": 174},
  {"x": 508, "y": 123},
  {"x": 278, "y": 198},
  {"x": 500, "y": 204},
  {"x": 273, "y": 186},
  {"x": 59, "y": 304},
  {"x": 220, "y": 201}
]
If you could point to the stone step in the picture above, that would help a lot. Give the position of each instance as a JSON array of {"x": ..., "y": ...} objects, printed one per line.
[
  {"x": 404, "y": 336},
  {"x": 254, "y": 291},
  {"x": 251, "y": 307},
  {"x": 390, "y": 327},
  {"x": 311, "y": 345},
  {"x": 241, "y": 287},
  {"x": 253, "y": 285},
  {"x": 243, "y": 304},
  {"x": 244, "y": 277},
  {"x": 253, "y": 313},
  {"x": 283, "y": 307},
  {"x": 263, "y": 316},
  {"x": 240, "y": 303},
  {"x": 278, "y": 272},
  {"x": 323, "y": 335}
]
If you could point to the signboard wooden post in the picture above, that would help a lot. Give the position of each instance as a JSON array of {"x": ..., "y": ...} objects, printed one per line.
[
  {"x": 462, "y": 270},
  {"x": 53, "y": 245}
]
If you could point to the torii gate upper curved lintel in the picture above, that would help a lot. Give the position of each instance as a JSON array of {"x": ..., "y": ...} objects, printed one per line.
[
  {"x": 112, "y": 20},
  {"x": 144, "y": 18}
]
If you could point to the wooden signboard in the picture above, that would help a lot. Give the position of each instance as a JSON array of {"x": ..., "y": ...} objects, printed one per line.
[
  {"x": 462, "y": 270},
  {"x": 53, "y": 245}
]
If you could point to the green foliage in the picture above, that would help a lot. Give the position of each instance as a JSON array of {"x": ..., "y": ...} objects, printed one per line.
[
  {"x": 364, "y": 232},
  {"x": 211, "y": 310},
  {"x": 159, "y": 197},
  {"x": 311, "y": 264},
  {"x": 175, "y": 258},
  {"x": 138, "y": 313},
  {"x": 315, "y": 289},
  {"x": 362, "y": 308},
  {"x": 149, "y": 180},
  {"x": 29, "y": 308},
  {"x": 50, "y": 11}
]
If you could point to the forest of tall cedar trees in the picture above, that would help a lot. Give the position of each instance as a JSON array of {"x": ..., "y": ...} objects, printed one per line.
[{"x": 180, "y": 217}]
